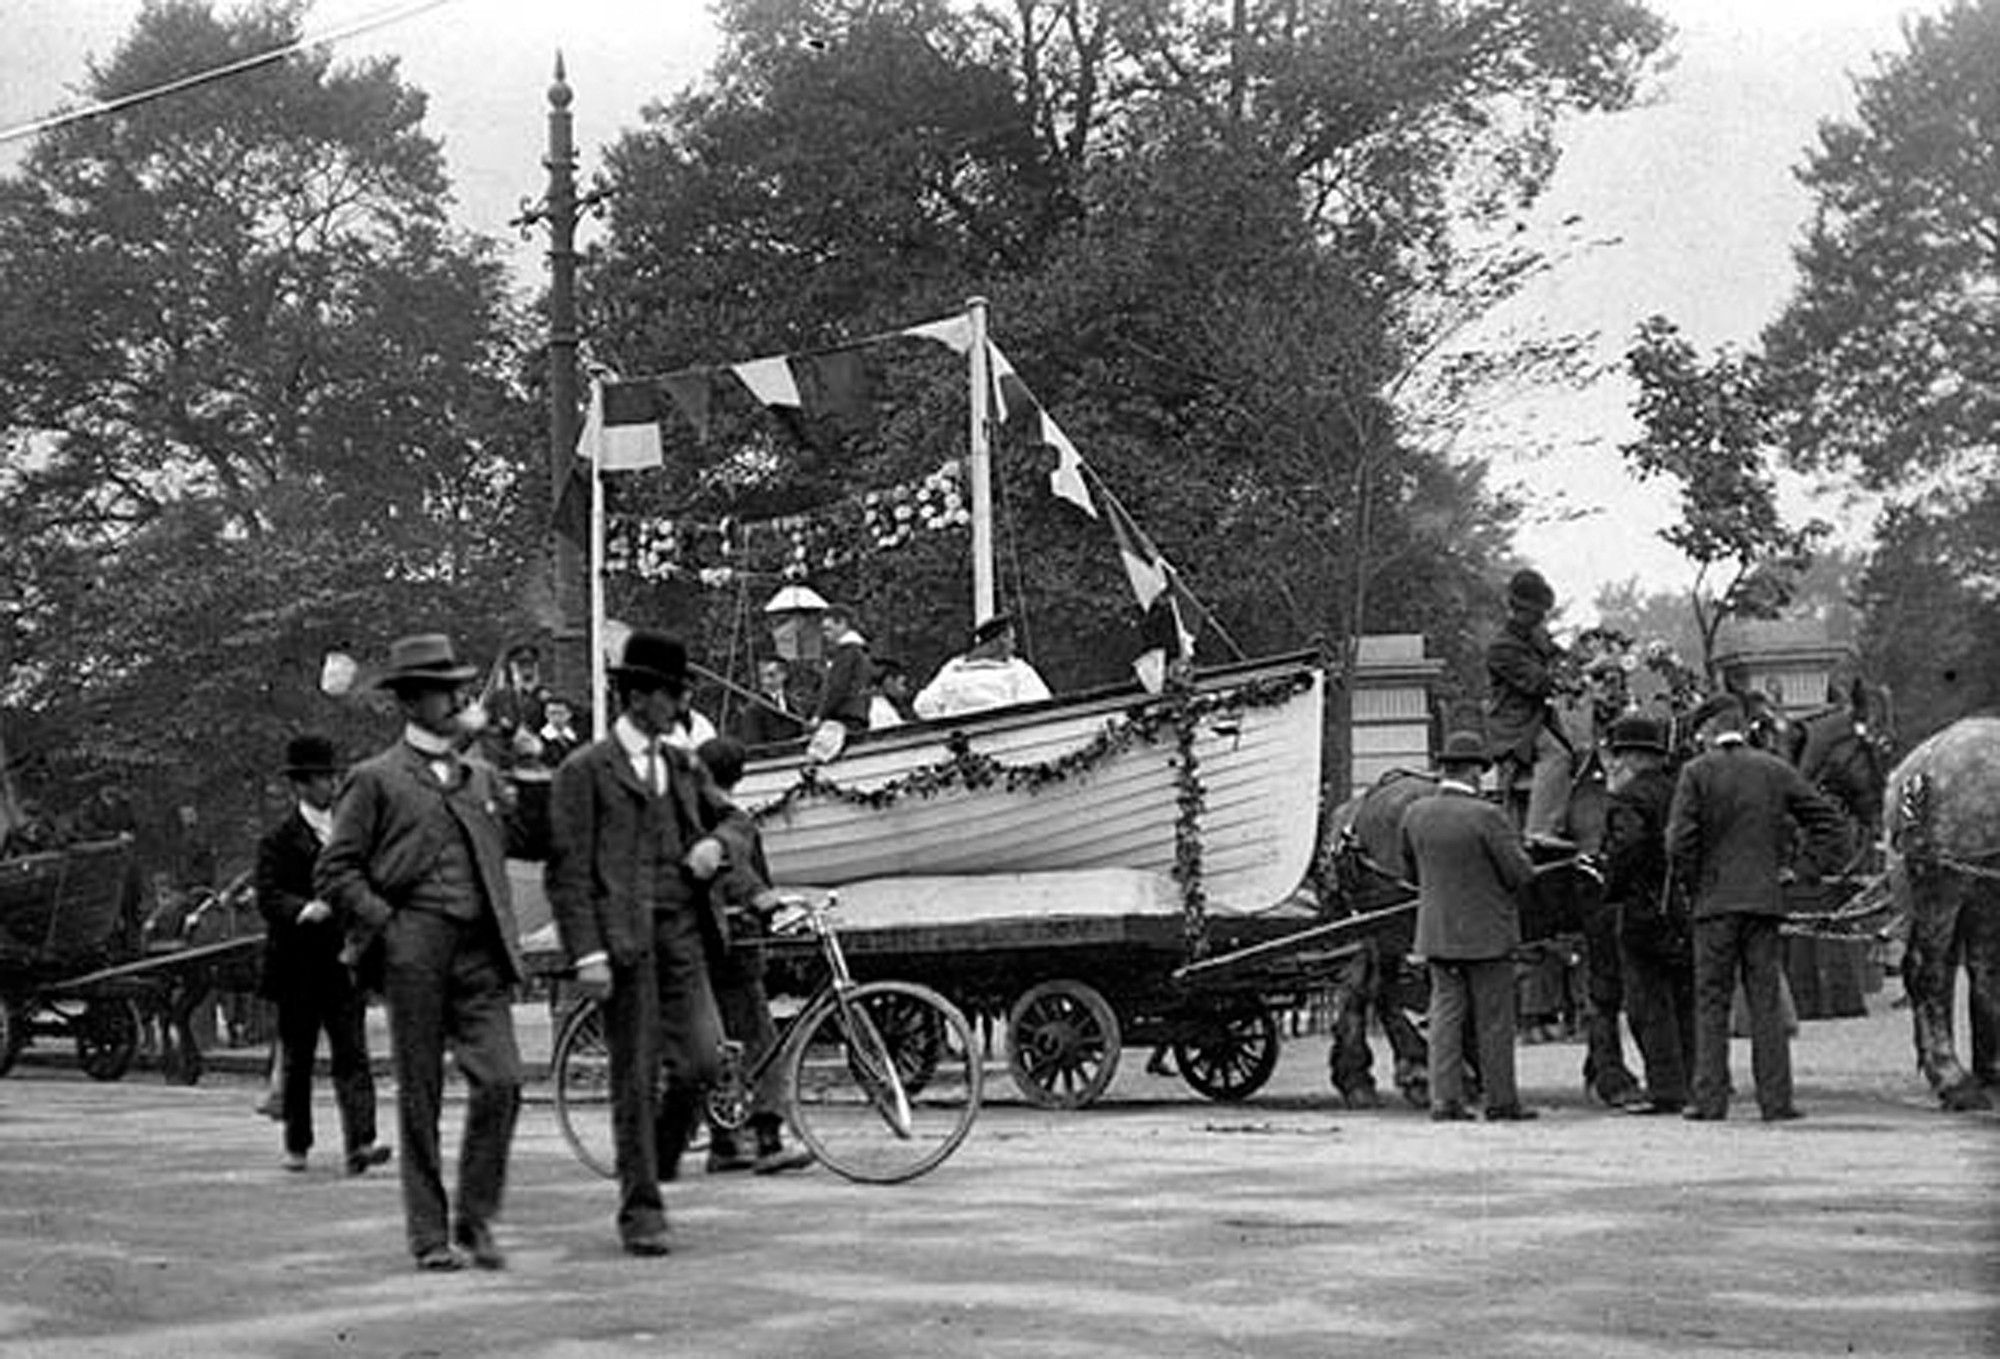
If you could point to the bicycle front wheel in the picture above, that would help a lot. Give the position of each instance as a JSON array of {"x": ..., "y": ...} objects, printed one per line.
[
  {"x": 885, "y": 1081},
  {"x": 581, "y": 1066}
]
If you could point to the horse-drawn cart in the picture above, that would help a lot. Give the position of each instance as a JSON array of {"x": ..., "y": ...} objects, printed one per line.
[{"x": 78, "y": 962}]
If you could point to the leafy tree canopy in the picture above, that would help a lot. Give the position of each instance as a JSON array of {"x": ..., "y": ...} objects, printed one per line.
[{"x": 266, "y": 404}]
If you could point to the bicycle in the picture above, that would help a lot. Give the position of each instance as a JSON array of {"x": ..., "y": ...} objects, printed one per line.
[{"x": 885, "y": 1076}]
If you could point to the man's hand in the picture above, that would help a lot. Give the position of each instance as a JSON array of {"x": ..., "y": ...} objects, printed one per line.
[
  {"x": 705, "y": 860},
  {"x": 314, "y": 911},
  {"x": 593, "y": 980}
]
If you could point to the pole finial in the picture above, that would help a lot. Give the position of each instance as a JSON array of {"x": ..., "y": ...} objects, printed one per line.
[{"x": 559, "y": 92}]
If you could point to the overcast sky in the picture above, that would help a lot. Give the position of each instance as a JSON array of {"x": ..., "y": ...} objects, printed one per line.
[{"x": 1695, "y": 188}]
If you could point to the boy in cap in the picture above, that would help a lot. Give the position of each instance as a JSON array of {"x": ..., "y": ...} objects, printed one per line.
[
  {"x": 416, "y": 869},
  {"x": 303, "y": 975},
  {"x": 1527, "y": 732}
]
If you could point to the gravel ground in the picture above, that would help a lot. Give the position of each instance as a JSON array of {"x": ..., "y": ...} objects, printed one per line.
[{"x": 146, "y": 1219}]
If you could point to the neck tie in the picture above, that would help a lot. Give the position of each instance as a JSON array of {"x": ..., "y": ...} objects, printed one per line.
[{"x": 655, "y": 770}]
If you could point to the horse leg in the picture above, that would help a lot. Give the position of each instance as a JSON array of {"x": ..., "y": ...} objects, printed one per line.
[
  {"x": 1979, "y": 944},
  {"x": 1929, "y": 977}
]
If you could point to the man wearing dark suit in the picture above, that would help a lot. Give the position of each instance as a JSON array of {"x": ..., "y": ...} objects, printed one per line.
[
  {"x": 416, "y": 869},
  {"x": 1655, "y": 958},
  {"x": 626, "y": 823},
  {"x": 1467, "y": 861},
  {"x": 777, "y": 719},
  {"x": 1521, "y": 669},
  {"x": 1729, "y": 838},
  {"x": 849, "y": 676},
  {"x": 303, "y": 974}
]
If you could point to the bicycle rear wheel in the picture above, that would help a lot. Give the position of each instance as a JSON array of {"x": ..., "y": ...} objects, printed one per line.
[
  {"x": 581, "y": 1066},
  {"x": 885, "y": 1082}
]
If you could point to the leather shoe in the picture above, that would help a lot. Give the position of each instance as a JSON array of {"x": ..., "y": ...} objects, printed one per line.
[
  {"x": 1787, "y": 1114},
  {"x": 1654, "y": 1106},
  {"x": 778, "y": 1160},
  {"x": 363, "y": 1159},
  {"x": 1451, "y": 1113},
  {"x": 726, "y": 1160},
  {"x": 295, "y": 1161},
  {"x": 1511, "y": 1113},
  {"x": 440, "y": 1260},
  {"x": 476, "y": 1238},
  {"x": 650, "y": 1244},
  {"x": 1700, "y": 1115}
]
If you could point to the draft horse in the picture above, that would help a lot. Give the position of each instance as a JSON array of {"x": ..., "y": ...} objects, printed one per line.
[{"x": 1943, "y": 844}]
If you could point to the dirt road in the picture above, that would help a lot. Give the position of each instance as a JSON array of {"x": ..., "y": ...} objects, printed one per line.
[{"x": 144, "y": 1219}]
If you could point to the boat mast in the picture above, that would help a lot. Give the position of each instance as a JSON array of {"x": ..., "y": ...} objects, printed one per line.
[{"x": 979, "y": 466}]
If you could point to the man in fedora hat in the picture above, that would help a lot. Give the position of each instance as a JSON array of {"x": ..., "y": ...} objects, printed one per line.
[
  {"x": 1468, "y": 864},
  {"x": 1655, "y": 958},
  {"x": 989, "y": 675},
  {"x": 416, "y": 867},
  {"x": 1522, "y": 666},
  {"x": 303, "y": 974},
  {"x": 628, "y": 830}
]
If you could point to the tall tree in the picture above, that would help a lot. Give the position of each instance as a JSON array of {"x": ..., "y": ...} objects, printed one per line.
[
  {"x": 1709, "y": 427},
  {"x": 265, "y": 403},
  {"x": 1219, "y": 238},
  {"x": 1886, "y": 361}
]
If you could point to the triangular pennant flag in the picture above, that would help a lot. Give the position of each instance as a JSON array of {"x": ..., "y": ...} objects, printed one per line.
[
  {"x": 1002, "y": 375},
  {"x": 623, "y": 431},
  {"x": 840, "y": 384},
  {"x": 770, "y": 380},
  {"x": 1144, "y": 566},
  {"x": 954, "y": 332},
  {"x": 1067, "y": 480},
  {"x": 571, "y": 517},
  {"x": 690, "y": 392}
]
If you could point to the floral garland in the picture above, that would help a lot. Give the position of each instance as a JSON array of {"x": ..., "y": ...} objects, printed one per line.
[{"x": 1180, "y": 713}]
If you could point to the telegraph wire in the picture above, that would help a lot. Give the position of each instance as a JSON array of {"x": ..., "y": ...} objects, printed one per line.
[{"x": 188, "y": 82}]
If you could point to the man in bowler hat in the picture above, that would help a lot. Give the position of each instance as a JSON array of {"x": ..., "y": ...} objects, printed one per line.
[
  {"x": 1468, "y": 864},
  {"x": 1522, "y": 665},
  {"x": 416, "y": 868},
  {"x": 629, "y": 853},
  {"x": 303, "y": 974}
]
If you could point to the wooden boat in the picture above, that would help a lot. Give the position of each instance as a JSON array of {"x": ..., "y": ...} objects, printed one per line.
[{"x": 1083, "y": 782}]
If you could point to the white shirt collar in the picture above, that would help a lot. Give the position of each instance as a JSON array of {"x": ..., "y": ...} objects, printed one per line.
[
  {"x": 427, "y": 743},
  {"x": 319, "y": 818},
  {"x": 1457, "y": 786},
  {"x": 635, "y": 743}
]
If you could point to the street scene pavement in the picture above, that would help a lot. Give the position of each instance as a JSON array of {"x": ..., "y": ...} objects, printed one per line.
[{"x": 147, "y": 1219}]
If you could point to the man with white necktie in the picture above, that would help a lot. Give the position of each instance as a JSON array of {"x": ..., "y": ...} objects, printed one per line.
[
  {"x": 625, "y": 817},
  {"x": 415, "y": 869}
]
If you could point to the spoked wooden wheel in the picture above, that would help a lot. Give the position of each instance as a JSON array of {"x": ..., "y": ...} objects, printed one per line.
[
  {"x": 107, "y": 1037},
  {"x": 1235, "y": 1054},
  {"x": 1062, "y": 1044}
]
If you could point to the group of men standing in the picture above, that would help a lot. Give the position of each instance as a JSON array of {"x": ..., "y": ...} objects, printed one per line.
[
  {"x": 399, "y": 884},
  {"x": 1694, "y": 866}
]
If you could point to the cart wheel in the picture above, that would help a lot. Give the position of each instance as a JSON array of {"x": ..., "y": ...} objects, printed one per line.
[
  {"x": 13, "y": 1032},
  {"x": 915, "y": 1032},
  {"x": 1234, "y": 1056},
  {"x": 1062, "y": 1044},
  {"x": 107, "y": 1035}
]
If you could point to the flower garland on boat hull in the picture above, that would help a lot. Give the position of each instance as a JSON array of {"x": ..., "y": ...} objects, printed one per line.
[{"x": 1178, "y": 714}]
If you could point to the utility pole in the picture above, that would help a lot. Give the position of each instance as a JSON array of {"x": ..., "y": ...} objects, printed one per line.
[{"x": 570, "y": 665}]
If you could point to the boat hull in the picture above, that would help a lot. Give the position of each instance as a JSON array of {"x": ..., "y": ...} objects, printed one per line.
[{"x": 898, "y": 803}]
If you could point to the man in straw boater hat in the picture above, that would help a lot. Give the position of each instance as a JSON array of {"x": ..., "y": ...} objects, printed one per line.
[
  {"x": 1468, "y": 864},
  {"x": 629, "y": 855},
  {"x": 303, "y": 974},
  {"x": 416, "y": 868}
]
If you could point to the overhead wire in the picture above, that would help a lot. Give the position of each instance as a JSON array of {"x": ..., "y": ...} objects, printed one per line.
[{"x": 305, "y": 41}]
